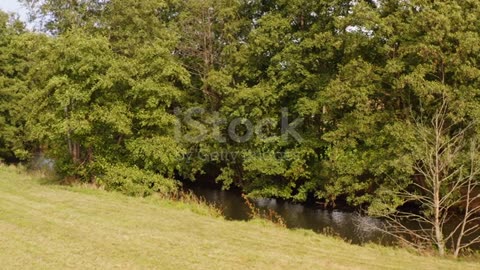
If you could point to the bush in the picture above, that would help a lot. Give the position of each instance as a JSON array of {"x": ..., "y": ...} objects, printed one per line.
[{"x": 133, "y": 181}]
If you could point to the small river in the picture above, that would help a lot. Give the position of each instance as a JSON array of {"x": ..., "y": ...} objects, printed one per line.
[{"x": 350, "y": 226}]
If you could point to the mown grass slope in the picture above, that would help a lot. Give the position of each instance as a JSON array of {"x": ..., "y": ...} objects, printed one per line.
[{"x": 53, "y": 227}]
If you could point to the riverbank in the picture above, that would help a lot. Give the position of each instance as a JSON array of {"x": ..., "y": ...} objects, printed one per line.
[{"x": 55, "y": 227}]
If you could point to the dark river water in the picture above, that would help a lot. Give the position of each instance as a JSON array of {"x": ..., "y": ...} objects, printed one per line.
[{"x": 350, "y": 226}]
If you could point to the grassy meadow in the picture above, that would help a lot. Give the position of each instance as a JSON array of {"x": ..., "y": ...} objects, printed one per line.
[{"x": 48, "y": 226}]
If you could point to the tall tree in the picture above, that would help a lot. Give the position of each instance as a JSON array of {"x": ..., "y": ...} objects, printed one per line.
[
  {"x": 107, "y": 102},
  {"x": 290, "y": 55},
  {"x": 402, "y": 57},
  {"x": 15, "y": 63},
  {"x": 209, "y": 32}
]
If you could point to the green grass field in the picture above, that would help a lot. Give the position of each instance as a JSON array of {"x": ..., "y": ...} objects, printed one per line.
[{"x": 44, "y": 226}]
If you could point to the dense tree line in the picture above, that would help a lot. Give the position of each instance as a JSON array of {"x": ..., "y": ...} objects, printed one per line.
[{"x": 101, "y": 85}]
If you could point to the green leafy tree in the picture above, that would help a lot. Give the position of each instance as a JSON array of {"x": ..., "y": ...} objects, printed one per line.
[
  {"x": 15, "y": 63},
  {"x": 104, "y": 96},
  {"x": 402, "y": 57},
  {"x": 289, "y": 55}
]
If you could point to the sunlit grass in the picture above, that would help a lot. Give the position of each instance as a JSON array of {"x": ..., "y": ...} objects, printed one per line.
[{"x": 47, "y": 226}]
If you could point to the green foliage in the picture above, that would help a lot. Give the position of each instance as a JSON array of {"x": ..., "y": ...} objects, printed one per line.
[
  {"x": 103, "y": 85},
  {"x": 105, "y": 94},
  {"x": 136, "y": 182},
  {"x": 15, "y": 62}
]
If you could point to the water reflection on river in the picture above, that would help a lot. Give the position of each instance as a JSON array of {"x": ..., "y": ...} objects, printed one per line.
[{"x": 350, "y": 226}]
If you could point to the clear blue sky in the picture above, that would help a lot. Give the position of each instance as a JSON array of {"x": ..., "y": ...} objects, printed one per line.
[{"x": 13, "y": 6}]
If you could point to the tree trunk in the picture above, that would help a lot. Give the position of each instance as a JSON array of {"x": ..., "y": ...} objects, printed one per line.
[
  {"x": 90, "y": 159},
  {"x": 76, "y": 153}
]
